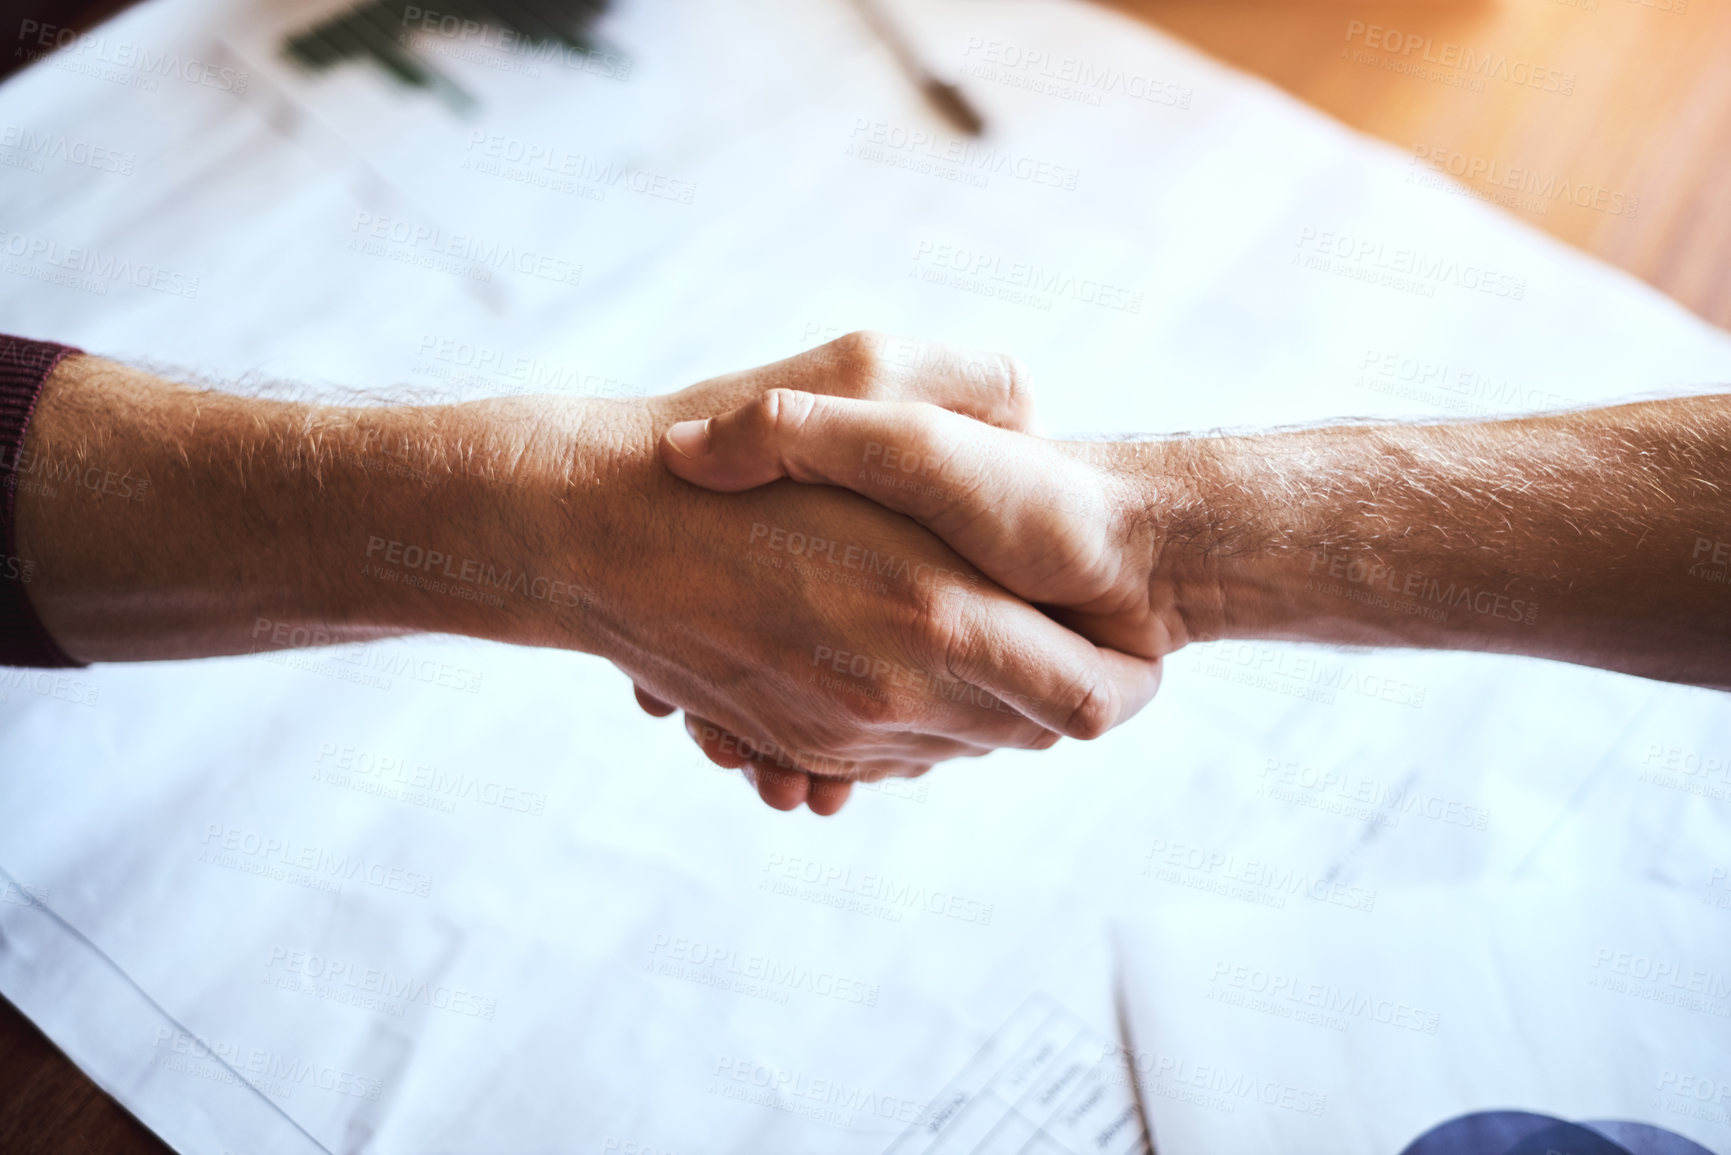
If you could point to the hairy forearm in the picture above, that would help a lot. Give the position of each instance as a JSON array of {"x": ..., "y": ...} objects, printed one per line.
[
  {"x": 1596, "y": 537},
  {"x": 235, "y": 524},
  {"x": 170, "y": 522}
]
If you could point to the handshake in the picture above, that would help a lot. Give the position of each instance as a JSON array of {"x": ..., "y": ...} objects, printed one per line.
[
  {"x": 913, "y": 576},
  {"x": 857, "y": 562},
  {"x": 985, "y": 588}
]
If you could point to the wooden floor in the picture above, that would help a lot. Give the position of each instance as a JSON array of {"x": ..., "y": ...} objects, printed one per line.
[
  {"x": 1641, "y": 139},
  {"x": 48, "y": 1107}
]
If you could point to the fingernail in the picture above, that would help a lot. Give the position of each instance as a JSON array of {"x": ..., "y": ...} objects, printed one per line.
[{"x": 690, "y": 439}]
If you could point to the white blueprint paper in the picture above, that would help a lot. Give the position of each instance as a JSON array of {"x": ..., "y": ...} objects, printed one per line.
[
  {"x": 1324, "y": 1030},
  {"x": 441, "y": 895}
]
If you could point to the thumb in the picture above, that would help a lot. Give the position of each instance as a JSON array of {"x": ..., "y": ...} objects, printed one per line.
[
  {"x": 912, "y": 457},
  {"x": 1030, "y": 516}
]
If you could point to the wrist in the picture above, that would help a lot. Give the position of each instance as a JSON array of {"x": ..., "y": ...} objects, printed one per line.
[
  {"x": 1174, "y": 529},
  {"x": 1256, "y": 530},
  {"x": 1236, "y": 521},
  {"x": 492, "y": 521}
]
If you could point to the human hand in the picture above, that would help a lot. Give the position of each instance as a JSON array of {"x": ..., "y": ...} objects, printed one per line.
[
  {"x": 828, "y": 634},
  {"x": 1414, "y": 535},
  {"x": 1066, "y": 525}
]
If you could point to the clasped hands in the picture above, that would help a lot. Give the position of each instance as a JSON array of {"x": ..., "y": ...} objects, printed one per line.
[
  {"x": 857, "y": 562},
  {"x": 978, "y": 588}
]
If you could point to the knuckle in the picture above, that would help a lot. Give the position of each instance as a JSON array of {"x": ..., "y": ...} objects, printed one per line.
[
  {"x": 943, "y": 633},
  {"x": 862, "y": 361},
  {"x": 782, "y": 410},
  {"x": 940, "y": 440},
  {"x": 1016, "y": 395},
  {"x": 998, "y": 388},
  {"x": 1094, "y": 714},
  {"x": 868, "y": 711}
]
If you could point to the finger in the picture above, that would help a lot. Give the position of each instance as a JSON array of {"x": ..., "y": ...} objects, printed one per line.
[
  {"x": 872, "y": 367},
  {"x": 889, "y": 751},
  {"x": 652, "y": 705},
  {"x": 1126, "y": 633},
  {"x": 916, "y": 745},
  {"x": 1052, "y": 676},
  {"x": 718, "y": 745},
  {"x": 726, "y": 748},
  {"x": 878, "y": 771},
  {"x": 782, "y": 787},
  {"x": 905, "y": 770},
  {"x": 1026, "y": 513},
  {"x": 939, "y": 468},
  {"x": 1016, "y": 679},
  {"x": 948, "y": 717},
  {"x": 901, "y": 455},
  {"x": 989, "y": 387},
  {"x": 766, "y": 772},
  {"x": 825, "y": 796}
]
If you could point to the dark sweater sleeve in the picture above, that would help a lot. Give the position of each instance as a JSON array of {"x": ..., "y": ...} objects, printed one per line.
[{"x": 24, "y": 366}]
